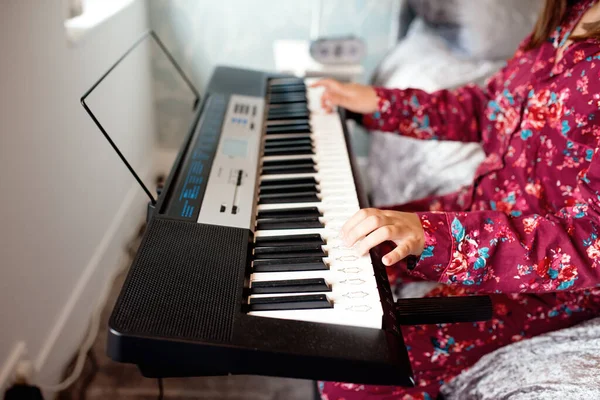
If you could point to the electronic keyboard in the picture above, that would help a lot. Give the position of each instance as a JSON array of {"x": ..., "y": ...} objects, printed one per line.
[{"x": 241, "y": 269}]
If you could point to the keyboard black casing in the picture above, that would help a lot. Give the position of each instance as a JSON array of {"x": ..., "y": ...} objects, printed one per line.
[{"x": 181, "y": 311}]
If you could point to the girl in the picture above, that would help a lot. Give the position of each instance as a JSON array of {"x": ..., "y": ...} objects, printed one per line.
[{"x": 527, "y": 231}]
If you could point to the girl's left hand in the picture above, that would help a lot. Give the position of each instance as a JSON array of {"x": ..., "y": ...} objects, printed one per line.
[{"x": 375, "y": 226}]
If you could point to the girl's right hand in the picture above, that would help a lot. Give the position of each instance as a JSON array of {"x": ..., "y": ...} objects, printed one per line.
[{"x": 358, "y": 98}]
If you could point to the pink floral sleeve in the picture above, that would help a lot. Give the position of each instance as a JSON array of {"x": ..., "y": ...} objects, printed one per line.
[
  {"x": 491, "y": 251},
  {"x": 445, "y": 115}
]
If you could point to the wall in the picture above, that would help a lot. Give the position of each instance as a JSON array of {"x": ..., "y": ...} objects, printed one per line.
[
  {"x": 67, "y": 204},
  {"x": 203, "y": 34}
]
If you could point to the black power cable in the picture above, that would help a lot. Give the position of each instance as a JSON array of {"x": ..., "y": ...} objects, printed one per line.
[{"x": 161, "y": 390}]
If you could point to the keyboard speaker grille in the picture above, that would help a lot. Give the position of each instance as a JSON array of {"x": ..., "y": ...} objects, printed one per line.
[{"x": 184, "y": 283}]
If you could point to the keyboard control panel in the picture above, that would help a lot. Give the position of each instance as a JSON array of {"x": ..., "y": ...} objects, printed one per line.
[{"x": 229, "y": 196}]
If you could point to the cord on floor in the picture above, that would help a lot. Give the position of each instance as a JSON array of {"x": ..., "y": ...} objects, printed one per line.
[
  {"x": 161, "y": 391},
  {"x": 90, "y": 376}
]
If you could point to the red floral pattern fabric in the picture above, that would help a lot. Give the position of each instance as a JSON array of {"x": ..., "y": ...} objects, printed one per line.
[{"x": 528, "y": 229}]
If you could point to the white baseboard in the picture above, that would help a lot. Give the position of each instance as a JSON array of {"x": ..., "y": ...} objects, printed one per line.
[{"x": 73, "y": 322}]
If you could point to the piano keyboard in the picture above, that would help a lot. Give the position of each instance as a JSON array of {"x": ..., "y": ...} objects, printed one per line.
[
  {"x": 241, "y": 269},
  {"x": 301, "y": 269}
]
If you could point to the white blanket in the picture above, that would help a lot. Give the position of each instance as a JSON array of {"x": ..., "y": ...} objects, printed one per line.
[{"x": 559, "y": 365}]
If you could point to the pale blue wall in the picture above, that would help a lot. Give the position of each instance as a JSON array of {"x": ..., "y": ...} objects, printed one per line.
[{"x": 203, "y": 33}]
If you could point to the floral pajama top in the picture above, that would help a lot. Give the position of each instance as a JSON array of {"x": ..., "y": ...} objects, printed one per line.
[
  {"x": 527, "y": 230},
  {"x": 530, "y": 222}
]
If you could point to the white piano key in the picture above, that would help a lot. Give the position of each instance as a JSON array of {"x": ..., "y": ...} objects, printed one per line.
[
  {"x": 331, "y": 277},
  {"x": 338, "y": 294},
  {"x": 368, "y": 315},
  {"x": 351, "y": 207}
]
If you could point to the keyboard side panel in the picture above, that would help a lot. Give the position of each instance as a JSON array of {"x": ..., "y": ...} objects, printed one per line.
[{"x": 185, "y": 283}]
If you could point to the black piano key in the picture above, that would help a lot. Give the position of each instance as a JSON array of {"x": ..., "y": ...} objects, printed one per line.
[
  {"x": 283, "y": 98},
  {"x": 288, "y": 188},
  {"x": 293, "y": 142},
  {"x": 290, "y": 240},
  {"x": 290, "y": 90},
  {"x": 296, "y": 121},
  {"x": 289, "y": 265},
  {"x": 287, "y": 181},
  {"x": 287, "y": 88},
  {"x": 291, "y": 256},
  {"x": 291, "y": 161},
  {"x": 287, "y": 95},
  {"x": 290, "y": 286},
  {"x": 288, "y": 107},
  {"x": 299, "y": 143},
  {"x": 298, "y": 101},
  {"x": 300, "y": 197},
  {"x": 288, "y": 141},
  {"x": 290, "y": 213},
  {"x": 278, "y": 303},
  {"x": 281, "y": 116},
  {"x": 283, "y": 129},
  {"x": 288, "y": 248},
  {"x": 289, "y": 223},
  {"x": 289, "y": 169},
  {"x": 289, "y": 151},
  {"x": 288, "y": 111}
]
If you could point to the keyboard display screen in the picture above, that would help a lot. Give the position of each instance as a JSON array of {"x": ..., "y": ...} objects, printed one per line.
[{"x": 235, "y": 147}]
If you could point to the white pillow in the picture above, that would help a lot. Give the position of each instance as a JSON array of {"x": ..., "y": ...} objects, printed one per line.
[{"x": 403, "y": 169}]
